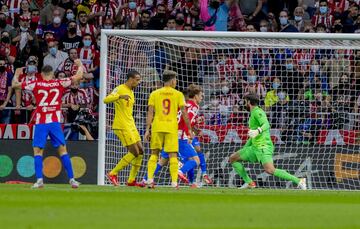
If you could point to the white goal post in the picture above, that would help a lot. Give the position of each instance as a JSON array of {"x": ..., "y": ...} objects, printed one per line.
[{"x": 308, "y": 84}]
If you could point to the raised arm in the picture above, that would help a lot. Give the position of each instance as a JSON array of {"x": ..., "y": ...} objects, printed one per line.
[
  {"x": 80, "y": 72},
  {"x": 15, "y": 84}
]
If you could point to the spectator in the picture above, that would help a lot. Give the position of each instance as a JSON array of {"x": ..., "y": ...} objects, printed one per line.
[
  {"x": 88, "y": 55},
  {"x": 55, "y": 56},
  {"x": 84, "y": 6},
  {"x": 285, "y": 25},
  {"x": 340, "y": 65},
  {"x": 349, "y": 18},
  {"x": 265, "y": 26},
  {"x": 236, "y": 19},
  {"x": 48, "y": 35},
  {"x": 291, "y": 79},
  {"x": 150, "y": 77},
  {"x": 215, "y": 14},
  {"x": 171, "y": 23},
  {"x": 5, "y": 92},
  {"x": 68, "y": 67},
  {"x": 252, "y": 10},
  {"x": 24, "y": 11},
  {"x": 158, "y": 22},
  {"x": 298, "y": 21},
  {"x": 4, "y": 26},
  {"x": 6, "y": 49},
  {"x": 213, "y": 114},
  {"x": 101, "y": 10},
  {"x": 24, "y": 36},
  {"x": 279, "y": 111},
  {"x": 253, "y": 85},
  {"x": 46, "y": 14},
  {"x": 108, "y": 24},
  {"x": 57, "y": 26},
  {"x": 69, "y": 16},
  {"x": 74, "y": 99},
  {"x": 250, "y": 28},
  {"x": 66, "y": 4},
  {"x": 227, "y": 98},
  {"x": 84, "y": 27},
  {"x": 71, "y": 39},
  {"x": 272, "y": 97},
  {"x": 323, "y": 16},
  {"x": 127, "y": 16},
  {"x": 144, "y": 20}
]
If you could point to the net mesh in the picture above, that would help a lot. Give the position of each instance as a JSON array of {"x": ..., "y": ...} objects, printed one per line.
[{"x": 309, "y": 89}]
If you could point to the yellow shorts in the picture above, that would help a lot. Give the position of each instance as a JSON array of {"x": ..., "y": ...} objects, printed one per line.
[
  {"x": 168, "y": 141},
  {"x": 128, "y": 137}
]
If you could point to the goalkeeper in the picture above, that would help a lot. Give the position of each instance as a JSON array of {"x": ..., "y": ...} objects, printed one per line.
[{"x": 259, "y": 148}]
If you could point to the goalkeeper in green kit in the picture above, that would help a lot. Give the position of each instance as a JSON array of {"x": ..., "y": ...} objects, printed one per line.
[{"x": 259, "y": 147}]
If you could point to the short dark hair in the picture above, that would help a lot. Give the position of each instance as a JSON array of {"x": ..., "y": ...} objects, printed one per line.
[
  {"x": 132, "y": 74},
  {"x": 193, "y": 90},
  {"x": 252, "y": 98},
  {"x": 46, "y": 69},
  {"x": 168, "y": 75}
]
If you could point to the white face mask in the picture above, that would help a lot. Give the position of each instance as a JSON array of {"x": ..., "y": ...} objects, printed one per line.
[
  {"x": 225, "y": 89},
  {"x": 149, "y": 2},
  {"x": 214, "y": 102},
  {"x": 263, "y": 29},
  {"x": 57, "y": 20}
]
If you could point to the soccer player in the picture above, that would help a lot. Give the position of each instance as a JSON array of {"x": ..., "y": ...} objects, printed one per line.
[
  {"x": 125, "y": 129},
  {"x": 164, "y": 104},
  {"x": 259, "y": 148},
  {"x": 48, "y": 93}
]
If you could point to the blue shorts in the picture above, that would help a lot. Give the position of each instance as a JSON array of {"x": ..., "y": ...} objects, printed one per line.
[
  {"x": 186, "y": 150},
  {"x": 164, "y": 155},
  {"x": 195, "y": 142},
  {"x": 54, "y": 130}
]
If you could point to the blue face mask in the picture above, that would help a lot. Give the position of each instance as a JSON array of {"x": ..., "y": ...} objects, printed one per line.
[
  {"x": 275, "y": 85},
  {"x": 289, "y": 66},
  {"x": 298, "y": 18},
  {"x": 251, "y": 79},
  {"x": 283, "y": 20},
  {"x": 323, "y": 9},
  {"x": 53, "y": 51},
  {"x": 281, "y": 95},
  {"x": 132, "y": 5},
  {"x": 70, "y": 16},
  {"x": 87, "y": 43},
  {"x": 31, "y": 69}
]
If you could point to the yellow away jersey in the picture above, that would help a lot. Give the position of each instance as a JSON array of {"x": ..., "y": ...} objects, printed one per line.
[
  {"x": 123, "y": 109},
  {"x": 166, "y": 102}
]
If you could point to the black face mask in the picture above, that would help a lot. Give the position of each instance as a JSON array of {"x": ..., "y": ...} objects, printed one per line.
[
  {"x": 74, "y": 90},
  {"x": 72, "y": 31},
  {"x": 2, "y": 23},
  {"x": 104, "y": 1},
  {"x": 338, "y": 27},
  {"x": 5, "y": 40},
  {"x": 161, "y": 15},
  {"x": 179, "y": 21},
  {"x": 214, "y": 4},
  {"x": 2, "y": 69},
  {"x": 55, "y": 2}
]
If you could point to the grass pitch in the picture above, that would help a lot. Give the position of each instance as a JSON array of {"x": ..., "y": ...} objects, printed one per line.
[{"x": 58, "y": 206}]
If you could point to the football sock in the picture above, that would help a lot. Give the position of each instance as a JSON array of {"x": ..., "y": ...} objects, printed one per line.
[
  {"x": 191, "y": 175},
  {"x": 38, "y": 166},
  {"x": 135, "y": 167},
  {"x": 67, "y": 165},
  {"x": 158, "y": 168},
  {"x": 201, "y": 156},
  {"x": 125, "y": 161},
  {"x": 286, "y": 176},
  {"x": 239, "y": 168},
  {"x": 174, "y": 168},
  {"x": 152, "y": 166}
]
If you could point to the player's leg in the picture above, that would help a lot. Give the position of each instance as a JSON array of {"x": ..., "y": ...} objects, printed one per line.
[
  {"x": 268, "y": 165},
  {"x": 58, "y": 141},
  {"x": 164, "y": 159},
  {"x": 171, "y": 145},
  {"x": 245, "y": 154},
  {"x": 136, "y": 163},
  {"x": 39, "y": 142},
  {"x": 188, "y": 153},
  {"x": 203, "y": 165},
  {"x": 156, "y": 144},
  {"x": 129, "y": 142}
]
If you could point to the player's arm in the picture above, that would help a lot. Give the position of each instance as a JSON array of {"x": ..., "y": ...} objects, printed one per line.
[
  {"x": 79, "y": 73},
  {"x": 149, "y": 119},
  {"x": 114, "y": 96},
  {"x": 260, "y": 116},
  {"x": 185, "y": 116}
]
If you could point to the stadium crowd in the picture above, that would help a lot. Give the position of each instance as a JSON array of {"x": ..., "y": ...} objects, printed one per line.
[{"x": 326, "y": 83}]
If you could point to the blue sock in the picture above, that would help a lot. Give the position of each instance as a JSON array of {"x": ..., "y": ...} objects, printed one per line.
[
  {"x": 188, "y": 166},
  {"x": 191, "y": 175},
  {"x": 38, "y": 162},
  {"x": 67, "y": 165},
  {"x": 202, "y": 162},
  {"x": 158, "y": 168}
]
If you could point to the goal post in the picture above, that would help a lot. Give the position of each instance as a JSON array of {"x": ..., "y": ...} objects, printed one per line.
[{"x": 309, "y": 85}]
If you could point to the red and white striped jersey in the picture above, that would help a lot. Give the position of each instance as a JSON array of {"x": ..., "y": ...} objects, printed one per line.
[
  {"x": 27, "y": 97},
  {"x": 69, "y": 68},
  {"x": 327, "y": 20},
  {"x": 90, "y": 57},
  {"x": 303, "y": 58},
  {"x": 14, "y": 8},
  {"x": 111, "y": 12},
  {"x": 229, "y": 69},
  {"x": 48, "y": 95},
  {"x": 87, "y": 29},
  {"x": 131, "y": 14},
  {"x": 192, "y": 109},
  {"x": 78, "y": 98}
]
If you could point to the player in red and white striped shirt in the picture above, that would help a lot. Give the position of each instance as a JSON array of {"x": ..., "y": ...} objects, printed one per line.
[{"x": 48, "y": 93}]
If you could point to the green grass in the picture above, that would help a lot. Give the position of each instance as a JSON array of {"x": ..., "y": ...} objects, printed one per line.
[{"x": 58, "y": 206}]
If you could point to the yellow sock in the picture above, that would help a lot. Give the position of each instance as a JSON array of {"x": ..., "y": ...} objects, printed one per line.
[
  {"x": 125, "y": 161},
  {"x": 174, "y": 169},
  {"x": 135, "y": 166},
  {"x": 152, "y": 166}
]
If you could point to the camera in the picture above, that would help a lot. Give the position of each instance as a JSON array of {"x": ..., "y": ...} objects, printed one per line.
[{"x": 88, "y": 120}]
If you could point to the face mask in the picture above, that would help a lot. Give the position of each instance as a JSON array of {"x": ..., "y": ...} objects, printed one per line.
[
  {"x": 214, "y": 4},
  {"x": 179, "y": 21},
  {"x": 338, "y": 27},
  {"x": 314, "y": 68},
  {"x": 2, "y": 23},
  {"x": 161, "y": 15},
  {"x": 132, "y": 5},
  {"x": 275, "y": 85},
  {"x": 72, "y": 30},
  {"x": 53, "y": 51},
  {"x": 263, "y": 29},
  {"x": 107, "y": 26},
  {"x": 2, "y": 69},
  {"x": 87, "y": 43},
  {"x": 265, "y": 51},
  {"x": 283, "y": 20},
  {"x": 298, "y": 18},
  {"x": 214, "y": 102},
  {"x": 323, "y": 9},
  {"x": 57, "y": 20},
  {"x": 5, "y": 40},
  {"x": 281, "y": 95},
  {"x": 70, "y": 16},
  {"x": 23, "y": 29},
  {"x": 225, "y": 89},
  {"x": 251, "y": 79},
  {"x": 149, "y": 2},
  {"x": 74, "y": 90},
  {"x": 31, "y": 69},
  {"x": 289, "y": 66}
]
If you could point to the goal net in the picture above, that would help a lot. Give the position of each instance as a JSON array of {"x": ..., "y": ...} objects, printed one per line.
[{"x": 309, "y": 85}]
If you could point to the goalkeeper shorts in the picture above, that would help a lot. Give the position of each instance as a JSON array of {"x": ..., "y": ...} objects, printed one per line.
[
  {"x": 253, "y": 154},
  {"x": 128, "y": 137}
]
